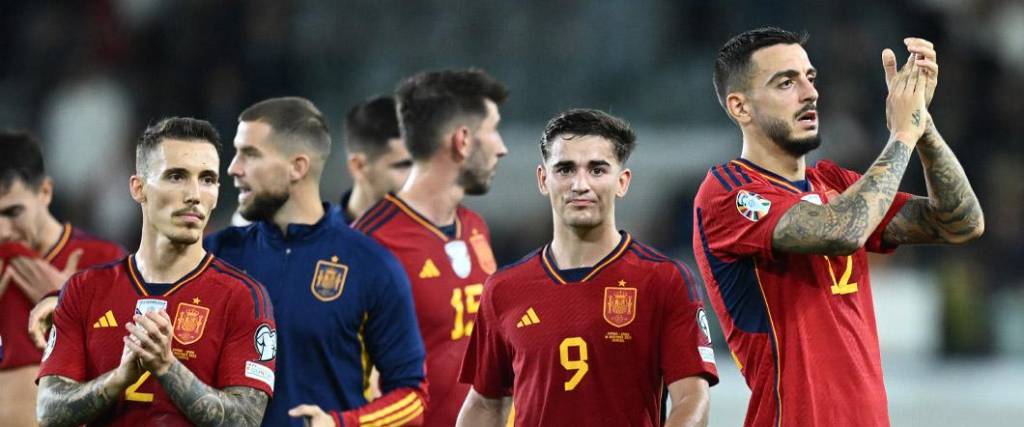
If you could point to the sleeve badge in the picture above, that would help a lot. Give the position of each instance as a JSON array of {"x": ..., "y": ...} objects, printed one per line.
[{"x": 751, "y": 205}]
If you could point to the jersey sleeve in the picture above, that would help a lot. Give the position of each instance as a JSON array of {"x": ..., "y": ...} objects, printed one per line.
[
  {"x": 487, "y": 365},
  {"x": 65, "y": 349},
  {"x": 738, "y": 221},
  {"x": 685, "y": 338},
  {"x": 397, "y": 351},
  {"x": 392, "y": 333},
  {"x": 249, "y": 352},
  {"x": 844, "y": 178}
]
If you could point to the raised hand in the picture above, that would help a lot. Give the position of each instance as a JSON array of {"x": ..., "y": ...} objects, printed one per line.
[
  {"x": 37, "y": 277},
  {"x": 150, "y": 338},
  {"x": 905, "y": 108}
]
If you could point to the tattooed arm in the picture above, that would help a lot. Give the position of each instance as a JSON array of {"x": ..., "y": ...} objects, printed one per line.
[
  {"x": 845, "y": 223},
  {"x": 65, "y": 402},
  {"x": 207, "y": 406},
  {"x": 951, "y": 212}
]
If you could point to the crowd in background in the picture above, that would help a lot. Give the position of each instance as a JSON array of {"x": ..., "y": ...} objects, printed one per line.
[{"x": 88, "y": 76}]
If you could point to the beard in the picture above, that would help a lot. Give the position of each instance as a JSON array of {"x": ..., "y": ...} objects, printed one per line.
[
  {"x": 263, "y": 206},
  {"x": 475, "y": 178},
  {"x": 781, "y": 134}
]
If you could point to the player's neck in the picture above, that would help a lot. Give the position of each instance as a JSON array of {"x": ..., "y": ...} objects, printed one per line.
[
  {"x": 433, "y": 192},
  {"x": 763, "y": 152},
  {"x": 304, "y": 206},
  {"x": 50, "y": 231},
  {"x": 162, "y": 261},
  {"x": 361, "y": 200},
  {"x": 574, "y": 247}
]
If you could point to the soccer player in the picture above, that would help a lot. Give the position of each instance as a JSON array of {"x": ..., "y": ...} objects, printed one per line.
[
  {"x": 450, "y": 125},
  {"x": 37, "y": 255},
  {"x": 196, "y": 333},
  {"x": 378, "y": 161},
  {"x": 782, "y": 246},
  {"x": 343, "y": 302},
  {"x": 589, "y": 328}
]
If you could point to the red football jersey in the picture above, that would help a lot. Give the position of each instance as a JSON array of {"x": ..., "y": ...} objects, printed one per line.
[
  {"x": 224, "y": 333},
  {"x": 18, "y": 348},
  {"x": 589, "y": 346},
  {"x": 447, "y": 275},
  {"x": 801, "y": 327}
]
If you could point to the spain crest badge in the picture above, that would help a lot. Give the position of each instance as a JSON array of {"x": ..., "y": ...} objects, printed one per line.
[
  {"x": 328, "y": 279},
  {"x": 189, "y": 323},
  {"x": 619, "y": 306},
  {"x": 484, "y": 255}
]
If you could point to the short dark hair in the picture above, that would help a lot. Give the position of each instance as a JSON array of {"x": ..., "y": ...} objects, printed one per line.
[
  {"x": 732, "y": 66},
  {"x": 294, "y": 118},
  {"x": 180, "y": 128},
  {"x": 430, "y": 100},
  {"x": 584, "y": 122},
  {"x": 20, "y": 159},
  {"x": 370, "y": 125}
]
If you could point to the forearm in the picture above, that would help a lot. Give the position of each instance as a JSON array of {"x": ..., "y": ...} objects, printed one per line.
[
  {"x": 63, "y": 402},
  {"x": 690, "y": 411},
  {"x": 954, "y": 210},
  {"x": 845, "y": 223},
  {"x": 483, "y": 412},
  {"x": 401, "y": 407},
  {"x": 206, "y": 406}
]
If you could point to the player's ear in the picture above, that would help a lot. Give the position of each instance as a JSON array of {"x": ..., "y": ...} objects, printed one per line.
[
  {"x": 624, "y": 178},
  {"x": 356, "y": 162},
  {"x": 136, "y": 186},
  {"x": 46, "y": 191},
  {"x": 300, "y": 166},
  {"x": 542, "y": 184},
  {"x": 738, "y": 107},
  {"x": 460, "y": 141}
]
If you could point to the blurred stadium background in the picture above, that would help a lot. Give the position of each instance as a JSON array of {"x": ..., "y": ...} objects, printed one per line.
[{"x": 88, "y": 76}]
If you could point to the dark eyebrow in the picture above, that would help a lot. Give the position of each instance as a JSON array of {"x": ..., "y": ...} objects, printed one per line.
[
  {"x": 402, "y": 163},
  {"x": 596, "y": 163},
  {"x": 563, "y": 163},
  {"x": 790, "y": 74},
  {"x": 171, "y": 171}
]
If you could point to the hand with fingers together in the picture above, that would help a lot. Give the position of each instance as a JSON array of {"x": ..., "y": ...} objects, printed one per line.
[
  {"x": 905, "y": 108},
  {"x": 314, "y": 416},
  {"x": 150, "y": 339},
  {"x": 37, "y": 277},
  {"x": 922, "y": 54}
]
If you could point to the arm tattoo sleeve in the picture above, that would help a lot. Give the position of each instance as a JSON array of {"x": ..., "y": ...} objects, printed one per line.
[
  {"x": 207, "y": 406},
  {"x": 845, "y": 223},
  {"x": 64, "y": 402},
  {"x": 951, "y": 213}
]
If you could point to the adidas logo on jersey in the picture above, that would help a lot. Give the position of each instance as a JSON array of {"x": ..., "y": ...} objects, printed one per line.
[
  {"x": 106, "y": 321},
  {"x": 530, "y": 318},
  {"x": 429, "y": 270}
]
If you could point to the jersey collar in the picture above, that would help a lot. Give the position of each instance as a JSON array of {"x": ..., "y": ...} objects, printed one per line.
[
  {"x": 156, "y": 289},
  {"x": 54, "y": 250},
  {"x": 423, "y": 221},
  {"x": 779, "y": 181},
  {"x": 566, "y": 276}
]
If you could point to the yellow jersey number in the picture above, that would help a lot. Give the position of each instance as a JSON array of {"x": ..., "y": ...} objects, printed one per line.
[
  {"x": 578, "y": 364},
  {"x": 843, "y": 285},
  {"x": 465, "y": 301},
  {"x": 133, "y": 394}
]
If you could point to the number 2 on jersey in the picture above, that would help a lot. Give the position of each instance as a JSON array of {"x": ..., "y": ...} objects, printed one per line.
[
  {"x": 579, "y": 365},
  {"x": 133, "y": 394},
  {"x": 464, "y": 328}
]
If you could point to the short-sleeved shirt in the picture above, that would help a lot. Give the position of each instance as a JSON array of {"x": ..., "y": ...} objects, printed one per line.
[
  {"x": 591, "y": 346},
  {"x": 801, "y": 327},
  {"x": 223, "y": 332},
  {"x": 15, "y": 305},
  {"x": 447, "y": 269}
]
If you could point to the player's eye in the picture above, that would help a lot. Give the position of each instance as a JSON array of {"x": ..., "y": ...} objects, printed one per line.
[
  {"x": 786, "y": 84},
  {"x": 812, "y": 79},
  {"x": 598, "y": 171},
  {"x": 12, "y": 212},
  {"x": 209, "y": 180},
  {"x": 564, "y": 170},
  {"x": 175, "y": 177}
]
